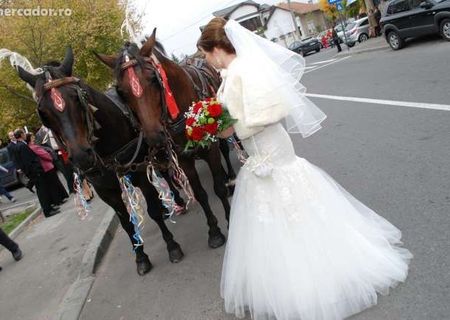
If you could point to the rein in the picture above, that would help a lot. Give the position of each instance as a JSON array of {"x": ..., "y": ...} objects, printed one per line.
[
  {"x": 112, "y": 162},
  {"x": 169, "y": 104}
]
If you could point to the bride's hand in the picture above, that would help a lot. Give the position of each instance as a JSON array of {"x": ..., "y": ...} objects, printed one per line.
[{"x": 226, "y": 133}]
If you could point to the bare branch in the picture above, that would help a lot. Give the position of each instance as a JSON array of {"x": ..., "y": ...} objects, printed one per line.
[{"x": 14, "y": 92}]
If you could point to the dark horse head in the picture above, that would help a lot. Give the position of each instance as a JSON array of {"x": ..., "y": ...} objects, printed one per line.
[
  {"x": 63, "y": 107},
  {"x": 141, "y": 85},
  {"x": 59, "y": 111}
]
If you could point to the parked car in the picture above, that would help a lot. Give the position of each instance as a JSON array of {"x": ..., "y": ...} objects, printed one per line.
[
  {"x": 413, "y": 18},
  {"x": 357, "y": 31},
  {"x": 340, "y": 32},
  {"x": 12, "y": 177},
  {"x": 305, "y": 46}
]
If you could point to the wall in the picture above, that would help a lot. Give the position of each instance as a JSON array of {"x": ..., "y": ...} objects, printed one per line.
[{"x": 281, "y": 24}]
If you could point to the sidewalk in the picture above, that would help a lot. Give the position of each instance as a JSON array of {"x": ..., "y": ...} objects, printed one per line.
[
  {"x": 58, "y": 251},
  {"x": 373, "y": 44},
  {"x": 24, "y": 199}
]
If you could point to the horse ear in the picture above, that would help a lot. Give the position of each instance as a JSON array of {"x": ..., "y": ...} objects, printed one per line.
[
  {"x": 67, "y": 64},
  {"x": 110, "y": 61},
  {"x": 147, "y": 48},
  {"x": 27, "y": 77}
]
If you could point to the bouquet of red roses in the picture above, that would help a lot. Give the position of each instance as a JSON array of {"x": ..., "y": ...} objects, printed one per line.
[{"x": 204, "y": 120}]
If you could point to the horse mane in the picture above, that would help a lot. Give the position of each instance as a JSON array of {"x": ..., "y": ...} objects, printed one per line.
[
  {"x": 160, "y": 47},
  {"x": 54, "y": 71}
]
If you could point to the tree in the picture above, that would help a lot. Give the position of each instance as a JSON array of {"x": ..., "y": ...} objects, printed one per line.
[
  {"x": 175, "y": 58},
  {"x": 329, "y": 10},
  {"x": 353, "y": 9},
  {"x": 91, "y": 25}
]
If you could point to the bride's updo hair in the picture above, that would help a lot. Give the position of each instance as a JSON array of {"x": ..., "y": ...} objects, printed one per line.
[{"x": 213, "y": 35}]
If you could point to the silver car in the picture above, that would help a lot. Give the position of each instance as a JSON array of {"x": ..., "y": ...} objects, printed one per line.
[{"x": 357, "y": 31}]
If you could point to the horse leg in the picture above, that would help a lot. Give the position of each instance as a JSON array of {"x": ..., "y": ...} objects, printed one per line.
[
  {"x": 225, "y": 149},
  {"x": 216, "y": 239},
  {"x": 154, "y": 209},
  {"x": 112, "y": 196},
  {"x": 213, "y": 160}
]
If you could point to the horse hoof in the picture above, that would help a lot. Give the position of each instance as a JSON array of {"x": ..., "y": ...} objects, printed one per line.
[
  {"x": 216, "y": 241},
  {"x": 176, "y": 255},
  {"x": 143, "y": 267}
]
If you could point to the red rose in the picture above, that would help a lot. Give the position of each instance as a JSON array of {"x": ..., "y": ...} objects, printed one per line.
[
  {"x": 190, "y": 121},
  {"x": 197, "y": 134},
  {"x": 211, "y": 128},
  {"x": 215, "y": 110},
  {"x": 208, "y": 99},
  {"x": 197, "y": 107}
]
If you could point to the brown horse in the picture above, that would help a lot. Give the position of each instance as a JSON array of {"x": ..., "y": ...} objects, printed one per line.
[
  {"x": 140, "y": 77},
  {"x": 94, "y": 131}
]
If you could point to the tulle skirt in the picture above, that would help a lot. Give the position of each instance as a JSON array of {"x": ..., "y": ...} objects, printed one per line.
[{"x": 302, "y": 247}]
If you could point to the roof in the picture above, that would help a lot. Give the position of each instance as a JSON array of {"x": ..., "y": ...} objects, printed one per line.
[
  {"x": 264, "y": 7},
  {"x": 226, "y": 12},
  {"x": 272, "y": 10},
  {"x": 300, "y": 8}
]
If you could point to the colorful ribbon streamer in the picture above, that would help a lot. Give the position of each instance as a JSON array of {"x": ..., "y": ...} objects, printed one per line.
[
  {"x": 164, "y": 192},
  {"x": 181, "y": 178},
  {"x": 133, "y": 198},
  {"x": 81, "y": 204}
]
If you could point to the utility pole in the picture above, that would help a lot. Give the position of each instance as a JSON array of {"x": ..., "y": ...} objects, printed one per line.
[{"x": 299, "y": 36}]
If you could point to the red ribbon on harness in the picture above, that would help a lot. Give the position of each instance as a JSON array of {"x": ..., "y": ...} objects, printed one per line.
[
  {"x": 57, "y": 99},
  {"x": 136, "y": 87},
  {"x": 168, "y": 95}
]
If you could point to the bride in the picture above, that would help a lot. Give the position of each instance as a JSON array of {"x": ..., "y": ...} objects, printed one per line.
[{"x": 300, "y": 246}]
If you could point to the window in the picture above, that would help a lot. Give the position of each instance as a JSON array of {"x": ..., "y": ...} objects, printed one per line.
[
  {"x": 311, "y": 27},
  {"x": 416, "y": 3},
  {"x": 398, "y": 6},
  {"x": 350, "y": 26},
  {"x": 252, "y": 24},
  {"x": 365, "y": 23}
]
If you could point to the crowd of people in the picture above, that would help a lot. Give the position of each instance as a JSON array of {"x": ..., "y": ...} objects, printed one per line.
[{"x": 39, "y": 158}]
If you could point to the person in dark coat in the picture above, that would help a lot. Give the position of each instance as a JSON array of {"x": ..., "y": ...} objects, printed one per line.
[
  {"x": 12, "y": 154},
  {"x": 58, "y": 194},
  {"x": 12, "y": 147},
  {"x": 44, "y": 137},
  {"x": 336, "y": 39},
  {"x": 9, "y": 244},
  {"x": 30, "y": 164}
]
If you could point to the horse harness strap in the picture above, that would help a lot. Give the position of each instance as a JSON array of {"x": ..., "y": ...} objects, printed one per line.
[
  {"x": 112, "y": 161},
  {"x": 60, "y": 82},
  {"x": 168, "y": 99},
  {"x": 202, "y": 92}
]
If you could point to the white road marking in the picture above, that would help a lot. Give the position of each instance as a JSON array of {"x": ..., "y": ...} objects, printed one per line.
[
  {"x": 421, "y": 105},
  {"x": 324, "y": 61},
  {"x": 307, "y": 68},
  {"x": 326, "y": 65}
]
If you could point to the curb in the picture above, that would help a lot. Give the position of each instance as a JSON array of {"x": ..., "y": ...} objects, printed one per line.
[
  {"x": 350, "y": 53},
  {"x": 73, "y": 301},
  {"x": 18, "y": 230}
]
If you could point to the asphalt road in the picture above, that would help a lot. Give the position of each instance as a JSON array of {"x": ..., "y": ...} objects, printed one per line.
[{"x": 393, "y": 158}]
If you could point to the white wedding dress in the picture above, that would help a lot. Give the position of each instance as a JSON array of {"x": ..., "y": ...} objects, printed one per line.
[{"x": 299, "y": 245}]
